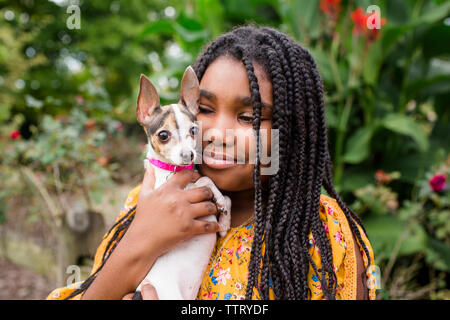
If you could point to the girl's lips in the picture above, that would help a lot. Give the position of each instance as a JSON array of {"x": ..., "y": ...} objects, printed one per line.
[{"x": 219, "y": 161}]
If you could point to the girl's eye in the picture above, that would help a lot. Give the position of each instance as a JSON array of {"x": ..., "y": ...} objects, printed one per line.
[
  {"x": 247, "y": 119},
  {"x": 193, "y": 131},
  {"x": 164, "y": 136},
  {"x": 204, "y": 110}
]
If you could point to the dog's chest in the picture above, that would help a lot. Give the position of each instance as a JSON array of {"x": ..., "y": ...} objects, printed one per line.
[{"x": 161, "y": 176}]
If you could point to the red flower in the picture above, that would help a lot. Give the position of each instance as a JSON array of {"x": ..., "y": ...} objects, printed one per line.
[
  {"x": 361, "y": 22},
  {"x": 382, "y": 177},
  {"x": 89, "y": 124},
  {"x": 331, "y": 8},
  {"x": 15, "y": 135},
  {"x": 437, "y": 182}
]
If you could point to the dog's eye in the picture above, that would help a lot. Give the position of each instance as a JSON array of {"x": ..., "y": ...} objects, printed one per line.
[
  {"x": 193, "y": 131},
  {"x": 164, "y": 136}
]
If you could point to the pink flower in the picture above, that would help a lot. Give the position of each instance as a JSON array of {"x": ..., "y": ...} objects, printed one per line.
[
  {"x": 118, "y": 126},
  {"x": 437, "y": 182},
  {"x": 338, "y": 237},
  {"x": 15, "y": 135},
  {"x": 79, "y": 99},
  {"x": 240, "y": 249},
  {"x": 325, "y": 226},
  {"x": 330, "y": 211},
  {"x": 223, "y": 276}
]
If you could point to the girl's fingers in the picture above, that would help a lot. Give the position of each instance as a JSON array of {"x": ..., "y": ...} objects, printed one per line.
[
  {"x": 202, "y": 209},
  {"x": 200, "y": 227},
  {"x": 129, "y": 296},
  {"x": 148, "y": 291},
  {"x": 198, "y": 194}
]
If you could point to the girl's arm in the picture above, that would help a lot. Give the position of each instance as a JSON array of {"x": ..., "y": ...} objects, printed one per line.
[
  {"x": 123, "y": 271},
  {"x": 359, "y": 269},
  {"x": 170, "y": 213}
]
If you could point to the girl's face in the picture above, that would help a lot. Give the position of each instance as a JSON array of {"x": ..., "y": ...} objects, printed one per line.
[{"x": 225, "y": 116}]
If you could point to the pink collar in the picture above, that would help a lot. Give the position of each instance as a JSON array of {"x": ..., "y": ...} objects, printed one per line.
[{"x": 168, "y": 166}]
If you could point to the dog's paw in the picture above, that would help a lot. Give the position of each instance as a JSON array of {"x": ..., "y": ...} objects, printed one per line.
[{"x": 225, "y": 217}]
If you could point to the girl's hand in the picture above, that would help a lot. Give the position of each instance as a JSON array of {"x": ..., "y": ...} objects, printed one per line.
[
  {"x": 167, "y": 216},
  {"x": 148, "y": 292},
  {"x": 164, "y": 217}
]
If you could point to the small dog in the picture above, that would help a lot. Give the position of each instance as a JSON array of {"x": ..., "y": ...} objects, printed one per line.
[{"x": 172, "y": 140}]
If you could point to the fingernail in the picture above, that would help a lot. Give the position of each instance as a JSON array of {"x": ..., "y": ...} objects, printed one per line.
[{"x": 146, "y": 282}]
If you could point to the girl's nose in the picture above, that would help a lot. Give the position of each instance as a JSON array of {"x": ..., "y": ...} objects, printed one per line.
[
  {"x": 220, "y": 132},
  {"x": 220, "y": 136}
]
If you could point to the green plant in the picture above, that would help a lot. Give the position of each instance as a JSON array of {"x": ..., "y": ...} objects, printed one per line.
[{"x": 419, "y": 228}]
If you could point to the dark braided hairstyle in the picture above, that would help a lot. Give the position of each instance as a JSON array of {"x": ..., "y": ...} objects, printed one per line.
[{"x": 291, "y": 207}]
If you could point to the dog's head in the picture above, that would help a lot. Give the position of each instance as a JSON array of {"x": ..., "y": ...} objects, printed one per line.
[{"x": 171, "y": 129}]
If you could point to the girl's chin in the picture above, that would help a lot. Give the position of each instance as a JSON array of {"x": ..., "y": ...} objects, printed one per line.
[{"x": 225, "y": 179}]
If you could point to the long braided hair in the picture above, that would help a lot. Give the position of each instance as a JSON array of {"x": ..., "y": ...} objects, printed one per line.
[
  {"x": 292, "y": 205},
  {"x": 304, "y": 161}
]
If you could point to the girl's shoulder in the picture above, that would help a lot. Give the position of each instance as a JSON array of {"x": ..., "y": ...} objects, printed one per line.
[
  {"x": 339, "y": 233},
  {"x": 130, "y": 201}
]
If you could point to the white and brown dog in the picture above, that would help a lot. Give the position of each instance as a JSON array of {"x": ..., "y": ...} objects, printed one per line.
[{"x": 172, "y": 133}]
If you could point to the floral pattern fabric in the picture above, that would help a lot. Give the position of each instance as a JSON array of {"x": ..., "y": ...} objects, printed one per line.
[{"x": 227, "y": 271}]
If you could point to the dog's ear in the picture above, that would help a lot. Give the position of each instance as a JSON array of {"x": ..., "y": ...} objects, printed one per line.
[
  {"x": 190, "y": 90},
  {"x": 148, "y": 100}
]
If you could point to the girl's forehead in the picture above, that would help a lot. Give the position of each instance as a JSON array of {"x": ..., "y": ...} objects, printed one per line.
[{"x": 227, "y": 78}]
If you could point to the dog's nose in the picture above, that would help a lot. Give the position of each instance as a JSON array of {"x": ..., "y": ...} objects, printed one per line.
[{"x": 187, "y": 157}]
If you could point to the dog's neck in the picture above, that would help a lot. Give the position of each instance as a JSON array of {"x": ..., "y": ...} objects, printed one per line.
[
  {"x": 164, "y": 170},
  {"x": 169, "y": 166}
]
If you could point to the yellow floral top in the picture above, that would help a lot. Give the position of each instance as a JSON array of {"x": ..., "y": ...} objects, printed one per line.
[{"x": 226, "y": 274}]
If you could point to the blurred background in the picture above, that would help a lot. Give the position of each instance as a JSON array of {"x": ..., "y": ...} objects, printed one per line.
[{"x": 72, "y": 148}]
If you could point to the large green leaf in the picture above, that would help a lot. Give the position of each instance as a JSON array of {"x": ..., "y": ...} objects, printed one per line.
[
  {"x": 302, "y": 16},
  {"x": 323, "y": 64},
  {"x": 392, "y": 33},
  {"x": 432, "y": 15},
  {"x": 403, "y": 124},
  {"x": 211, "y": 14},
  {"x": 372, "y": 64},
  {"x": 385, "y": 231},
  {"x": 358, "y": 145},
  {"x": 441, "y": 254},
  {"x": 187, "y": 29}
]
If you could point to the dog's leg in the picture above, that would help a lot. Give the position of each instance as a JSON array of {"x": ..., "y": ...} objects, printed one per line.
[
  {"x": 222, "y": 201},
  {"x": 225, "y": 217}
]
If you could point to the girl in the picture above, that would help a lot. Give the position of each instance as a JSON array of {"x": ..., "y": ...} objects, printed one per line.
[{"x": 287, "y": 240}]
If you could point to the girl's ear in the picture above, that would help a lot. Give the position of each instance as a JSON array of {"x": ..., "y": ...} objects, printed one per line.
[
  {"x": 148, "y": 100},
  {"x": 190, "y": 90}
]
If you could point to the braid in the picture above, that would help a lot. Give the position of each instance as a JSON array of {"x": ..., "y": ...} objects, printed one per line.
[{"x": 259, "y": 219}]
